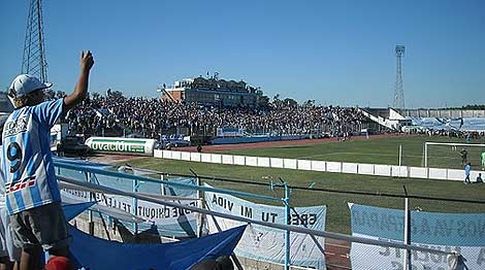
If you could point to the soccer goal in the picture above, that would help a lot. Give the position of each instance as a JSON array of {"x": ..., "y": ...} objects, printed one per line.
[{"x": 452, "y": 155}]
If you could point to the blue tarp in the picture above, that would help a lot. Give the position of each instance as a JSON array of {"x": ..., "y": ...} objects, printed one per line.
[
  {"x": 95, "y": 253},
  {"x": 72, "y": 210}
]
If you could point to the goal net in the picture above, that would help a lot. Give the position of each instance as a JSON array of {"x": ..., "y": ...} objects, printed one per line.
[{"x": 453, "y": 155}]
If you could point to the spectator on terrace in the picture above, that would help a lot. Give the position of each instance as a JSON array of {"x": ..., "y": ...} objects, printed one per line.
[{"x": 32, "y": 194}]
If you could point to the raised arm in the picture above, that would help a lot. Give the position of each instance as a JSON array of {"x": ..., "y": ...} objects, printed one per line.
[{"x": 86, "y": 63}]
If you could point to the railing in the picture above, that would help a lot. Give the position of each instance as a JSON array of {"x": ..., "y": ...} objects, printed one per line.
[{"x": 287, "y": 228}]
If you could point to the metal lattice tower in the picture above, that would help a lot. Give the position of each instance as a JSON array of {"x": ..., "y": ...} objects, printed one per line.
[
  {"x": 398, "y": 86},
  {"x": 33, "y": 60}
]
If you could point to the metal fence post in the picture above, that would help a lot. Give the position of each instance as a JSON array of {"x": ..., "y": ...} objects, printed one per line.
[
  {"x": 400, "y": 155},
  {"x": 90, "y": 212},
  {"x": 201, "y": 204},
  {"x": 425, "y": 154},
  {"x": 407, "y": 232},
  {"x": 135, "y": 205},
  {"x": 287, "y": 233}
]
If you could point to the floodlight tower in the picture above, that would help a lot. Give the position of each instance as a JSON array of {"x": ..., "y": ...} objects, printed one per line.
[
  {"x": 398, "y": 87},
  {"x": 33, "y": 60}
]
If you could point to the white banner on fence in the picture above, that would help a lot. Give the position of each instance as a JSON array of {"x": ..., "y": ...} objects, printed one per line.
[
  {"x": 268, "y": 244},
  {"x": 463, "y": 233},
  {"x": 178, "y": 222}
]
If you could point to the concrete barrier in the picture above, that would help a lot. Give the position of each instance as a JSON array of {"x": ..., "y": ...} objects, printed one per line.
[
  {"x": 382, "y": 170},
  {"x": 399, "y": 171},
  {"x": 263, "y": 162},
  {"x": 349, "y": 167},
  {"x": 195, "y": 157},
  {"x": 474, "y": 175},
  {"x": 458, "y": 175},
  {"x": 304, "y": 165},
  {"x": 276, "y": 162},
  {"x": 205, "y": 157},
  {"x": 175, "y": 155},
  {"x": 227, "y": 159},
  {"x": 158, "y": 153},
  {"x": 436, "y": 173},
  {"x": 367, "y": 169},
  {"x": 216, "y": 158},
  {"x": 319, "y": 166},
  {"x": 289, "y": 163},
  {"x": 252, "y": 161},
  {"x": 333, "y": 166},
  {"x": 239, "y": 160},
  {"x": 418, "y": 172},
  {"x": 167, "y": 154},
  {"x": 185, "y": 156}
]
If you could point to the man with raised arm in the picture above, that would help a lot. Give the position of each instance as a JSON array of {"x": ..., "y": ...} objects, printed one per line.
[{"x": 33, "y": 198}]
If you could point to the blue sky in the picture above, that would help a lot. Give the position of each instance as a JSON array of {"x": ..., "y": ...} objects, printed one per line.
[{"x": 336, "y": 52}]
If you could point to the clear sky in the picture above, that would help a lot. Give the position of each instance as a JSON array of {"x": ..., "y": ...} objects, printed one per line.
[{"x": 336, "y": 52}]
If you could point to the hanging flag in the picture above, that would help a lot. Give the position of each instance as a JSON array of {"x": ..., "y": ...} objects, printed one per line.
[{"x": 95, "y": 253}]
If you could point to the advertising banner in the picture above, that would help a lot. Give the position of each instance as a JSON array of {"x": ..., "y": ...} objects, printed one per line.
[
  {"x": 268, "y": 244},
  {"x": 114, "y": 145},
  {"x": 169, "y": 220},
  {"x": 463, "y": 233}
]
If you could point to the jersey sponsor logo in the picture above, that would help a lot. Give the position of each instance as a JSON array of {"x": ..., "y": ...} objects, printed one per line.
[
  {"x": 13, "y": 187},
  {"x": 17, "y": 126}
]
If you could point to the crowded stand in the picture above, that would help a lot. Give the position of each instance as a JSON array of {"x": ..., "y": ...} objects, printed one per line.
[{"x": 152, "y": 117}]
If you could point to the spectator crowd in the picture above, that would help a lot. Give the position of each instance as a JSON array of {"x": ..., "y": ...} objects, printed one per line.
[{"x": 151, "y": 117}]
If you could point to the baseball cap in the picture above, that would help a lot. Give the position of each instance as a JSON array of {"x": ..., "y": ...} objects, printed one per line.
[{"x": 25, "y": 84}]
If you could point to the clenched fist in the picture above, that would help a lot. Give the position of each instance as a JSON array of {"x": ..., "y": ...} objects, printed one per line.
[{"x": 87, "y": 60}]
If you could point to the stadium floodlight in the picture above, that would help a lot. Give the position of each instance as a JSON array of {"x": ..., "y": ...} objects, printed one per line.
[{"x": 449, "y": 153}]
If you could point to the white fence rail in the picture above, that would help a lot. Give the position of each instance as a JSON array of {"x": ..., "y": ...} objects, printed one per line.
[{"x": 321, "y": 166}]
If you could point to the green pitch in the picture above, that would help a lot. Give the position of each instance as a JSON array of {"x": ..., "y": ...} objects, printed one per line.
[
  {"x": 383, "y": 151},
  {"x": 377, "y": 151}
]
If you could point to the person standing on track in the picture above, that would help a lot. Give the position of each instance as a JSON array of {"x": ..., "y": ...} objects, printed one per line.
[
  {"x": 33, "y": 198},
  {"x": 468, "y": 168},
  {"x": 482, "y": 159},
  {"x": 464, "y": 156}
]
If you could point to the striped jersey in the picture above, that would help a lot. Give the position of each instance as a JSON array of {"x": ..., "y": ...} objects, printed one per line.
[
  {"x": 29, "y": 176},
  {"x": 2, "y": 187}
]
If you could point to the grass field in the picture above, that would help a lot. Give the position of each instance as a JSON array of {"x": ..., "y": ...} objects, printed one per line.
[
  {"x": 382, "y": 151},
  {"x": 377, "y": 151}
]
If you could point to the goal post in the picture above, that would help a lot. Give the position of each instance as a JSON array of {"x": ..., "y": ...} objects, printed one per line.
[{"x": 473, "y": 152}]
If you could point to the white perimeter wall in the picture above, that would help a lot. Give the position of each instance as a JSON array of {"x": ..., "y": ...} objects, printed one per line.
[{"x": 320, "y": 166}]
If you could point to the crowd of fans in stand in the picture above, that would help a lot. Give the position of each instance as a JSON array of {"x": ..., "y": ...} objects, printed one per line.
[{"x": 152, "y": 117}]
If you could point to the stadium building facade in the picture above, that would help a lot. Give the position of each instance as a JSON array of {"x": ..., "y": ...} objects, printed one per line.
[{"x": 211, "y": 92}]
